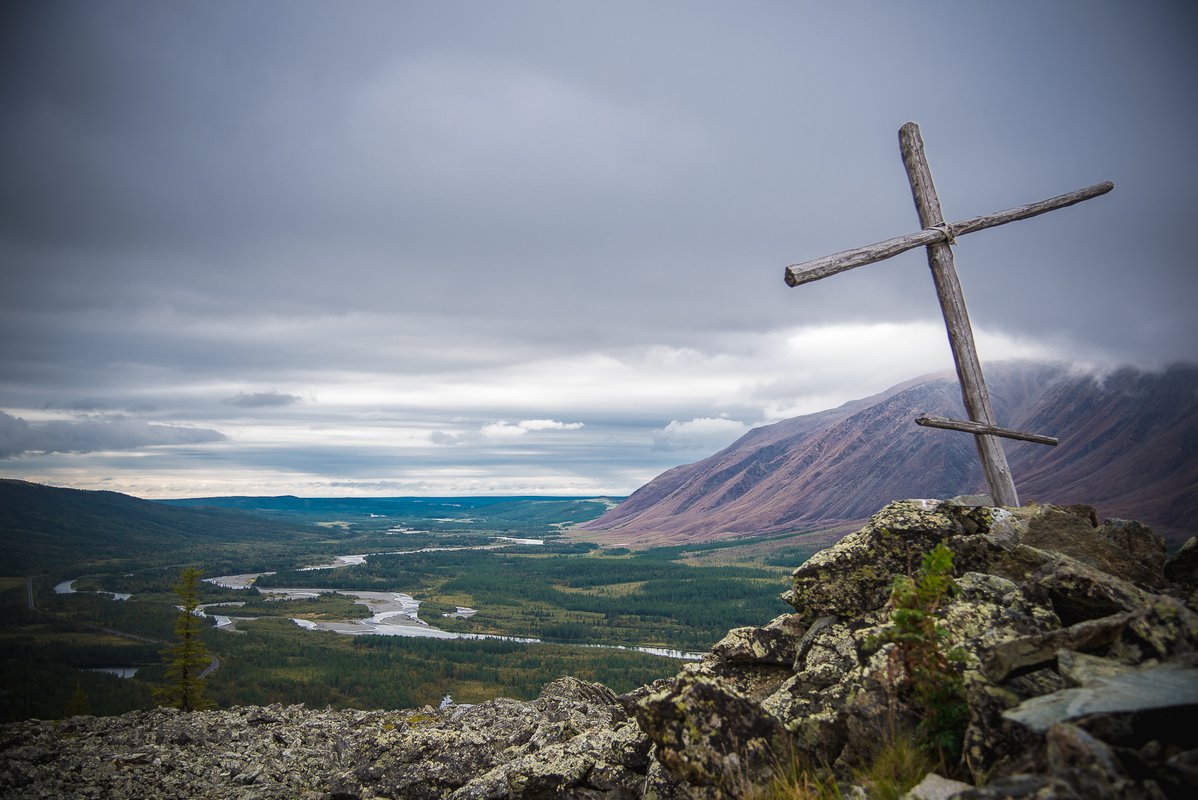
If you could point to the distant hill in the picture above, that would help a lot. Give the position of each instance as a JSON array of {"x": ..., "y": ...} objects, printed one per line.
[
  {"x": 1129, "y": 447},
  {"x": 497, "y": 510},
  {"x": 43, "y": 528}
]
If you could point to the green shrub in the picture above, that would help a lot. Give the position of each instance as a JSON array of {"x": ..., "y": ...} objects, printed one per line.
[{"x": 928, "y": 674}]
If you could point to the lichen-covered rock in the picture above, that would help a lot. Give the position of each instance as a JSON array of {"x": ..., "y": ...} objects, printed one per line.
[
  {"x": 828, "y": 655},
  {"x": 1182, "y": 566},
  {"x": 555, "y": 746},
  {"x": 812, "y": 703},
  {"x": 1170, "y": 686},
  {"x": 1085, "y": 762},
  {"x": 1019, "y": 654},
  {"x": 575, "y": 740},
  {"x": 1046, "y": 598},
  {"x": 988, "y": 610},
  {"x": 754, "y": 646},
  {"x": 1076, "y": 591},
  {"x": 603, "y": 763},
  {"x": 1122, "y": 548},
  {"x": 854, "y": 576},
  {"x": 437, "y": 754},
  {"x": 709, "y": 735},
  {"x": 1078, "y": 669},
  {"x": 992, "y": 744},
  {"x": 776, "y": 643},
  {"x": 274, "y": 752}
]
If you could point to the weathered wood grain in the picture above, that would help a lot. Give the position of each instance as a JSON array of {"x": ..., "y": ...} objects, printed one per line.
[
  {"x": 933, "y": 421},
  {"x": 808, "y": 271},
  {"x": 956, "y": 318}
]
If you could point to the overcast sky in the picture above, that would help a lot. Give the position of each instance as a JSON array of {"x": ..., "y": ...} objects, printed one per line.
[{"x": 538, "y": 247}]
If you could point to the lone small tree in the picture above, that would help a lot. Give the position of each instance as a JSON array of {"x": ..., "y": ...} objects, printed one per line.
[
  {"x": 78, "y": 704},
  {"x": 187, "y": 658},
  {"x": 927, "y": 671}
]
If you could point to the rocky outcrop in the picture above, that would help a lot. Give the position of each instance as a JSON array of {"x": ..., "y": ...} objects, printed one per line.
[
  {"x": 1074, "y": 651},
  {"x": 575, "y": 740},
  {"x": 1076, "y": 667}
]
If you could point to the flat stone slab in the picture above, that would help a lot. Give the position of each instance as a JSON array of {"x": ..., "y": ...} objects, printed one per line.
[
  {"x": 1166, "y": 686},
  {"x": 936, "y": 787}
]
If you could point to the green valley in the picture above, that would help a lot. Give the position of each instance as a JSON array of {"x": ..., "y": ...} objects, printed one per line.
[{"x": 501, "y": 561}]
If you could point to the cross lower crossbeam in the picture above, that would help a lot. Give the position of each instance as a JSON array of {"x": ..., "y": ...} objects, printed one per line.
[{"x": 937, "y": 236}]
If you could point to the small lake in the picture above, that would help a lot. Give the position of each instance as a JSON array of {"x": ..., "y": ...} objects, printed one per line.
[
  {"x": 68, "y": 587},
  {"x": 120, "y": 672}
]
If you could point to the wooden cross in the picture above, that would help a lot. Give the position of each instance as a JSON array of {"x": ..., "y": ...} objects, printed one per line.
[{"x": 937, "y": 236}]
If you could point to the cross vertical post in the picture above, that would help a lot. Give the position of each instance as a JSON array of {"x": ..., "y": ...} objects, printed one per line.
[{"x": 956, "y": 319}]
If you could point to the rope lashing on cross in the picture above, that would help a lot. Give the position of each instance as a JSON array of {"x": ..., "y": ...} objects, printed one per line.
[{"x": 949, "y": 235}]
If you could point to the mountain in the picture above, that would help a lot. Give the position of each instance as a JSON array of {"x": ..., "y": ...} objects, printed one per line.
[
  {"x": 43, "y": 528},
  {"x": 1129, "y": 446}
]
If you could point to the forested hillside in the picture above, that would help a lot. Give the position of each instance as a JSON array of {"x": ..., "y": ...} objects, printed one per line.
[{"x": 43, "y": 528}]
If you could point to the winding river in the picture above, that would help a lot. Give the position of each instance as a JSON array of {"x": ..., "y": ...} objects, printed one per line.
[{"x": 393, "y": 613}]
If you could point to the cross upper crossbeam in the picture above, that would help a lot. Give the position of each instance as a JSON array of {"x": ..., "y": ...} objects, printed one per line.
[
  {"x": 808, "y": 271},
  {"x": 937, "y": 236}
]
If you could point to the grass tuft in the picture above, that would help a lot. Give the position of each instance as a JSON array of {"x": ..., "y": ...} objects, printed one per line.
[{"x": 900, "y": 763}]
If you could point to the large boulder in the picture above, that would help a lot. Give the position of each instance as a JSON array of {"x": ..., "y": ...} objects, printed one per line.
[
  {"x": 711, "y": 737},
  {"x": 853, "y": 577},
  {"x": 1133, "y": 691},
  {"x": 1182, "y": 566},
  {"x": 1123, "y": 548},
  {"x": 773, "y": 644}
]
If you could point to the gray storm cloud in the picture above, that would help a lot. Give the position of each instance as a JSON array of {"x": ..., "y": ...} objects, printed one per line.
[
  {"x": 262, "y": 399},
  {"x": 19, "y": 437},
  {"x": 431, "y": 217}
]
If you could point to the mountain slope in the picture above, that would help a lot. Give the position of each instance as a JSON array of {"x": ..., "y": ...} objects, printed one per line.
[
  {"x": 43, "y": 528},
  {"x": 1129, "y": 446}
]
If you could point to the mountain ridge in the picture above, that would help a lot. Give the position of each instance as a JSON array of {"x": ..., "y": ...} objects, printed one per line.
[
  {"x": 1129, "y": 445},
  {"x": 44, "y": 527}
]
